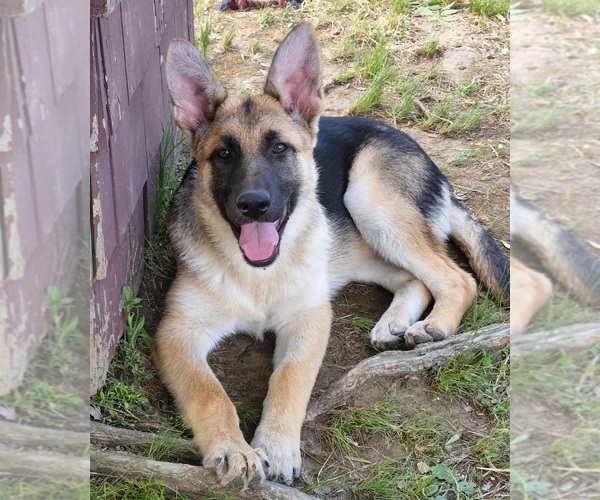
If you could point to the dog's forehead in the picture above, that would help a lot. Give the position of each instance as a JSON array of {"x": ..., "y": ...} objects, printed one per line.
[{"x": 250, "y": 118}]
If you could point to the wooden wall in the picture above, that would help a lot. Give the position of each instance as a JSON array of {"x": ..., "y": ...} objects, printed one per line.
[
  {"x": 129, "y": 113},
  {"x": 44, "y": 166}
]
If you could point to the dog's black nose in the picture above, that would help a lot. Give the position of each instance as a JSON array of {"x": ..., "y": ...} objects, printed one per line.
[{"x": 254, "y": 203}]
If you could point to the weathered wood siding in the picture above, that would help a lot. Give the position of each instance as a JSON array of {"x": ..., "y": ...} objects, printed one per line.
[
  {"x": 44, "y": 166},
  {"x": 129, "y": 114}
]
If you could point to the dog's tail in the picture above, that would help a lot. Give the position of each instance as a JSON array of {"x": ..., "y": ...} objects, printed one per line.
[
  {"x": 561, "y": 255},
  {"x": 485, "y": 257}
]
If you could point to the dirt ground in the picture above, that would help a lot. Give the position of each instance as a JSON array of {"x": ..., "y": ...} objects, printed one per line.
[
  {"x": 555, "y": 149},
  {"x": 471, "y": 49}
]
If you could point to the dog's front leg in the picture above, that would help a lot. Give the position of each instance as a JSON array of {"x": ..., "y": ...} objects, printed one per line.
[
  {"x": 300, "y": 348},
  {"x": 181, "y": 359}
]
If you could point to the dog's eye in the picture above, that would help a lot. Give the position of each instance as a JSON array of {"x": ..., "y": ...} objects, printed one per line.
[
  {"x": 224, "y": 153},
  {"x": 280, "y": 147}
]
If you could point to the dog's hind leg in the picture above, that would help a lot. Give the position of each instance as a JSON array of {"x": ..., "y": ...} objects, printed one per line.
[
  {"x": 299, "y": 351},
  {"x": 399, "y": 233},
  {"x": 411, "y": 298}
]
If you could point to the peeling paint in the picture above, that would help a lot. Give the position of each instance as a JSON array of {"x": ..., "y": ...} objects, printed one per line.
[
  {"x": 6, "y": 135},
  {"x": 99, "y": 243},
  {"x": 94, "y": 135},
  {"x": 16, "y": 264}
]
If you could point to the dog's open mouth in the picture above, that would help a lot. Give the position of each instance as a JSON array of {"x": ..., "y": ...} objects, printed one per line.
[{"x": 259, "y": 241}]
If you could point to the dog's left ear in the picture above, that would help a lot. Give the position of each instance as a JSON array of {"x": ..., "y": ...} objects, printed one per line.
[{"x": 296, "y": 75}]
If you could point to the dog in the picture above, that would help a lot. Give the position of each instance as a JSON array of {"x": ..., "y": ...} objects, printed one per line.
[
  {"x": 279, "y": 210},
  {"x": 562, "y": 257}
]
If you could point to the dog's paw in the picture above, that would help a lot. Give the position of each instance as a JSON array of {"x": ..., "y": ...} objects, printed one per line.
[
  {"x": 285, "y": 462},
  {"x": 388, "y": 333},
  {"x": 422, "y": 332},
  {"x": 238, "y": 465}
]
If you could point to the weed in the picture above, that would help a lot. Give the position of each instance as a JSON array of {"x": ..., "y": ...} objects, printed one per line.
[
  {"x": 490, "y": 8},
  {"x": 572, "y": 7},
  {"x": 204, "y": 37},
  {"x": 121, "y": 399},
  {"x": 402, "y": 6},
  {"x": 371, "y": 97},
  {"x": 481, "y": 378},
  {"x": 562, "y": 387},
  {"x": 345, "y": 76},
  {"x": 132, "y": 490},
  {"x": 562, "y": 310},
  {"x": 430, "y": 48},
  {"x": 539, "y": 120},
  {"x": 229, "y": 36},
  {"x": 352, "y": 427},
  {"x": 434, "y": 8},
  {"x": 464, "y": 156},
  {"x": 53, "y": 392}
]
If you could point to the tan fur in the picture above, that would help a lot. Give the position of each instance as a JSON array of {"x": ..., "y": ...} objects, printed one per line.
[{"x": 531, "y": 290}]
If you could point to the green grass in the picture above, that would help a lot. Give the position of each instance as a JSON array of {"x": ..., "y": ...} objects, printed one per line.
[
  {"x": 464, "y": 156},
  {"x": 481, "y": 378},
  {"x": 53, "y": 394},
  {"x": 203, "y": 38},
  {"x": 133, "y": 490},
  {"x": 484, "y": 311},
  {"x": 122, "y": 400},
  {"x": 54, "y": 389},
  {"x": 562, "y": 385},
  {"x": 539, "y": 120},
  {"x": 431, "y": 45},
  {"x": 562, "y": 310},
  {"x": 424, "y": 446},
  {"x": 229, "y": 36},
  {"x": 490, "y": 8},
  {"x": 572, "y": 7},
  {"x": 351, "y": 428},
  {"x": 43, "y": 488}
]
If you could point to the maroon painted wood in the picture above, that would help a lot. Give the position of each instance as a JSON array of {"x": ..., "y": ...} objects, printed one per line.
[{"x": 132, "y": 113}]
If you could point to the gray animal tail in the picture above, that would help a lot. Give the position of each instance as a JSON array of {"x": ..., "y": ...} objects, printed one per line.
[
  {"x": 561, "y": 255},
  {"x": 485, "y": 257}
]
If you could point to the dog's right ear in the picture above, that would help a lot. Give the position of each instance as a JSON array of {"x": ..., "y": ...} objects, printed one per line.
[{"x": 196, "y": 92}]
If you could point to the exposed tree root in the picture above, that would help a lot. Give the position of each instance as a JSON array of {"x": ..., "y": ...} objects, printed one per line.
[
  {"x": 194, "y": 481},
  {"x": 398, "y": 364}
]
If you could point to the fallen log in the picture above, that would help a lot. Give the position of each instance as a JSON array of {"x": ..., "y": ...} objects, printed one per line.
[
  {"x": 43, "y": 464},
  {"x": 571, "y": 337},
  {"x": 399, "y": 364},
  {"x": 27, "y": 436},
  {"x": 175, "y": 448},
  {"x": 194, "y": 481}
]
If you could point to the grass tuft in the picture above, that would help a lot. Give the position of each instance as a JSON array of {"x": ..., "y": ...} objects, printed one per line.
[{"x": 490, "y": 8}]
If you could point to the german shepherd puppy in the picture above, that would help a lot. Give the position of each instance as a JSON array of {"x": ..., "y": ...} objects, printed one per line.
[
  {"x": 276, "y": 213},
  {"x": 564, "y": 259}
]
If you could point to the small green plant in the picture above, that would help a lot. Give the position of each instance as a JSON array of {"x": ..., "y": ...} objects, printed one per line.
[
  {"x": 229, "y": 36},
  {"x": 490, "y": 8},
  {"x": 345, "y": 76},
  {"x": 53, "y": 390},
  {"x": 431, "y": 45},
  {"x": 572, "y": 7},
  {"x": 434, "y": 8},
  {"x": 464, "y": 156},
  {"x": 402, "y": 6},
  {"x": 372, "y": 97},
  {"x": 204, "y": 37},
  {"x": 133, "y": 490},
  {"x": 351, "y": 428},
  {"x": 481, "y": 378},
  {"x": 121, "y": 399}
]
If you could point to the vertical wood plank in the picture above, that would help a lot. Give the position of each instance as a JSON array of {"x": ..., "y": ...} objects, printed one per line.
[{"x": 114, "y": 79}]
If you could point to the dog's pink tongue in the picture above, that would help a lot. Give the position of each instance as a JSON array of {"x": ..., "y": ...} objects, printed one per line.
[{"x": 258, "y": 240}]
